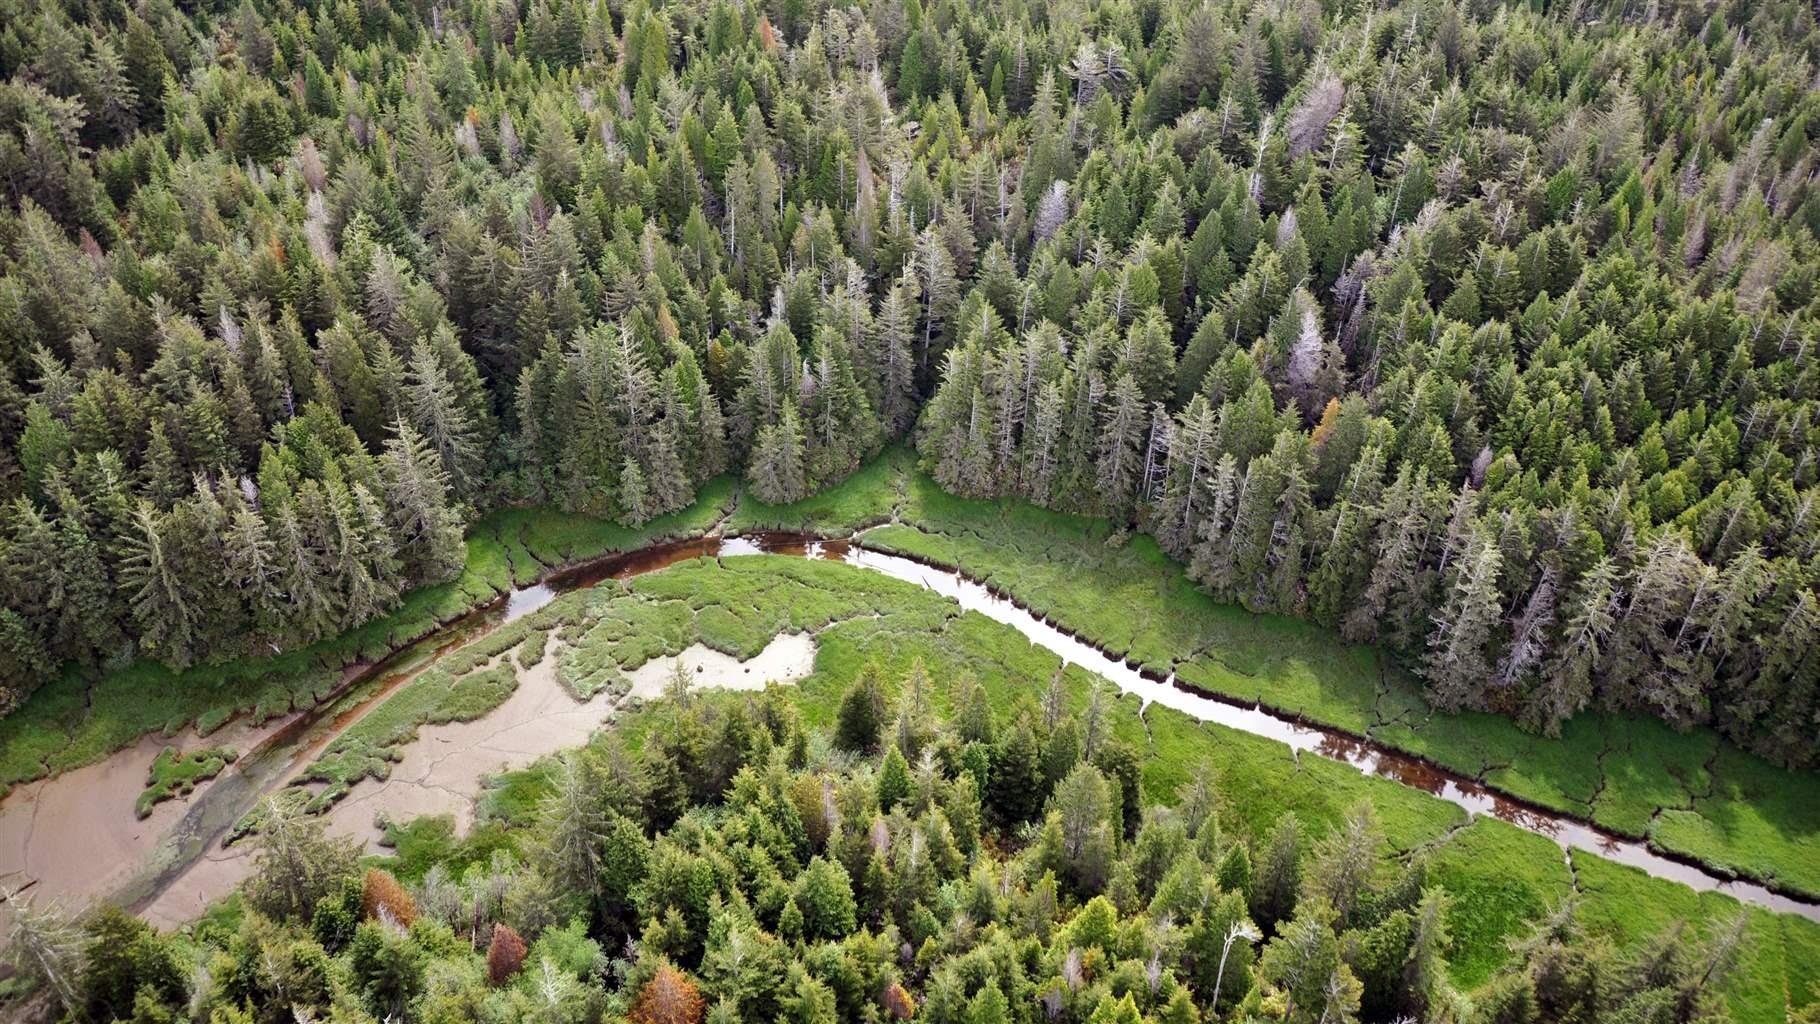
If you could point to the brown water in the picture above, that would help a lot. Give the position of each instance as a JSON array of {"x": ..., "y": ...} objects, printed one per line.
[
  {"x": 216, "y": 808},
  {"x": 1365, "y": 755}
]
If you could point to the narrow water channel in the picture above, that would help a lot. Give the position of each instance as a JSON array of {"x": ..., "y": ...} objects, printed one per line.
[
  {"x": 265, "y": 769},
  {"x": 1370, "y": 758}
]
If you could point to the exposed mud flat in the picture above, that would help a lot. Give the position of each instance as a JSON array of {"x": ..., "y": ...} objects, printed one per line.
[
  {"x": 787, "y": 658},
  {"x": 445, "y": 769},
  {"x": 207, "y": 879},
  {"x": 66, "y": 838}
]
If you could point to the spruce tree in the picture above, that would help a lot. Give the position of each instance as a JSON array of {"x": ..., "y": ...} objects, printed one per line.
[
  {"x": 436, "y": 411},
  {"x": 862, "y": 712},
  {"x": 416, "y": 497},
  {"x": 161, "y": 594},
  {"x": 1456, "y": 670},
  {"x": 775, "y": 472}
]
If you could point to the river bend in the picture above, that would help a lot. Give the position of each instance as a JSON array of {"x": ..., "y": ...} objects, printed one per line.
[{"x": 188, "y": 847}]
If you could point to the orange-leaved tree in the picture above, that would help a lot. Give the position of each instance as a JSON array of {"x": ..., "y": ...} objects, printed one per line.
[
  {"x": 505, "y": 954},
  {"x": 668, "y": 998},
  {"x": 383, "y": 896}
]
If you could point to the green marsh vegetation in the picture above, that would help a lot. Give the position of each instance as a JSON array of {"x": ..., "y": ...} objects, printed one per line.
[
  {"x": 940, "y": 782},
  {"x": 82, "y": 716},
  {"x": 174, "y": 774},
  {"x": 1440, "y": 373},
  {"x": 1691, "y": 793},
  {"x": 603, "y": 633}
]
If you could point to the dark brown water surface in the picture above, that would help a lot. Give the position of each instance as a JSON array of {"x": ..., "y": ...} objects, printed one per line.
[{"x": 216, "y": 809}]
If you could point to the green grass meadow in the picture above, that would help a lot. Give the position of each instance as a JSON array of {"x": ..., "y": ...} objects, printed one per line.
[
  {"x": 1690, "y": 793},
  {"x": 1500, "y": 879}
]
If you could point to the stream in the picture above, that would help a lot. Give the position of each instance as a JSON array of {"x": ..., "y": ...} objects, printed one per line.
[
  {"x": 1473, "y": 797},
  {"x": 187, "y": 848}
]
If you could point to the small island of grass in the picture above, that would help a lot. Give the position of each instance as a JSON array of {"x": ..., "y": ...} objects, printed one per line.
[{"x": 174, "y": 774}]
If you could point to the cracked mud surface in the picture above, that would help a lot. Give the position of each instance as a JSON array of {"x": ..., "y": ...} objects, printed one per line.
[
  {"x": 787, "y": 658},
  {"x": 73, "y": 835}
]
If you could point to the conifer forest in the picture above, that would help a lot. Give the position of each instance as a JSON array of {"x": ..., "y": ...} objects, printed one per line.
[{"x": 813, "y": 511}]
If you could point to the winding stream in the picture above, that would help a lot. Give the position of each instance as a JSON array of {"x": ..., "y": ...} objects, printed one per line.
[
  {"x": 189, "y": 847},
  {"x": 1471, "y": 796}
]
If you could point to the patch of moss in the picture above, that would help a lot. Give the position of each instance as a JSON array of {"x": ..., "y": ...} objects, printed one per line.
[
  {"x": 531, "y": 650},
  {"x": 175, "y": 774},
  {"x": 1499, "y": 881}
]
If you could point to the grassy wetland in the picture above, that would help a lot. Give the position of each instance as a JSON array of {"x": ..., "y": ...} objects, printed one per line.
[{"x": 949, "y": 511}]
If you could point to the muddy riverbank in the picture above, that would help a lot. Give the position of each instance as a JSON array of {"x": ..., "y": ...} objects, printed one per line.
[
  {"x": 445, "y": 770},
  {"x": 173, "y": 864}
]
